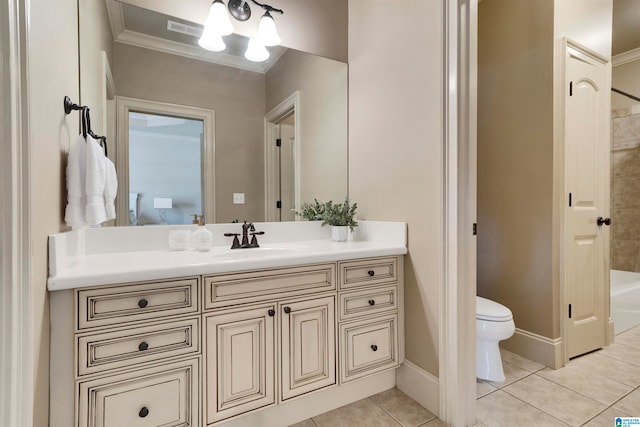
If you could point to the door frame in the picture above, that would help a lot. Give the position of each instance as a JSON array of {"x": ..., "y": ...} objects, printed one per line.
[
  {"x": 123, "y": 106},
  {"x": 284, "y": 108},
  {"x": 16, "y": 356},
  {"x": 457, "y": 371}
]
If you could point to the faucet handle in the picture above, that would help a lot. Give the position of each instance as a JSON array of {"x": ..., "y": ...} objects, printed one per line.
[
  {"x": 236, "y": 242},
  {"x": 254, "y": 239}
]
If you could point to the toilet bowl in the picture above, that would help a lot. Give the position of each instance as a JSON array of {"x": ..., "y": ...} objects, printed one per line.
[{"x": 494, "y": 323}]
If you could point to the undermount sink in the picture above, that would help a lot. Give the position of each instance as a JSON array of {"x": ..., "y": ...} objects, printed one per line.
[{"x": 232, "y": 254}]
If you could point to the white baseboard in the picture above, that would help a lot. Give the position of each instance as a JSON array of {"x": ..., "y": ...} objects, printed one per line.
[
  {"x": 540, "y": 349},
  {"x": 420, "y": 385}
]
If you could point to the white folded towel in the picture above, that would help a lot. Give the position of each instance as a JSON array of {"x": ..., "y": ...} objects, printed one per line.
[
  {"x": 110, "y": 189},
  {"x": 91, "y": 184},
  {"x": 96, "y": 176},
  {"x": 76, "y": 199}
]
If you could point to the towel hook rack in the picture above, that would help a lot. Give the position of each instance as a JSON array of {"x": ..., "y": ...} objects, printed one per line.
[{"x": 85, "y": 121}]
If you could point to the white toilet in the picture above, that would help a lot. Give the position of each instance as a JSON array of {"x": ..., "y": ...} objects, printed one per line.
[{"x": 494, "y": 322}]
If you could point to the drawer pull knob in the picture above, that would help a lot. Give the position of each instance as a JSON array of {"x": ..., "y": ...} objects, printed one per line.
[
  {"x": 143, "y": 346},
  {"x": 272, "y": 312},
  {"x": 143, "y": 303},
  {"x": 287, "y": 310},
  {"x": 372, "y": 302},
  {"x": 371, "y": 273},
  {"x": 143, "y": 412},
  {"x": 374, "y": 347}
]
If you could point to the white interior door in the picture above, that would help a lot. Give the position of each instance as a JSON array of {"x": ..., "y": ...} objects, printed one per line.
[
  {"x": 287, "y": 172},
  {"x": 587, "y": 184}
]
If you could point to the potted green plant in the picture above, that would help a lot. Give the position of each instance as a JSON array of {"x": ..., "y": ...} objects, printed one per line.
[{"x": 340, "y": 216}]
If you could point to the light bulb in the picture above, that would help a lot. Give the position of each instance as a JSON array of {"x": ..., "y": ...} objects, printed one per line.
[
  {"x": 218, "y": 20},
  {"x": 256, "y": 51},
  {"x": 211, "y": 41},
  {"x": 267, "y": 32}
]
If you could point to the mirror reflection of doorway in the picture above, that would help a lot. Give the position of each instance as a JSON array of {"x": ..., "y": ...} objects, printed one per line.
[
  {"x": 165, "y": 168},
  {"x": 165, "y": 162},
  {"x": 286, "y": 168}
]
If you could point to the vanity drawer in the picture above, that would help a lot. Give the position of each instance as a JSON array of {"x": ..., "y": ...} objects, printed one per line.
[
  {"x": 368, "y": 346},
  {"x": 129, "y": 303},
  {"x": 229, "y": 289},
  {"x": 134, "y": 346},
  {"x": 368, "y": 272},
  {"x": 371, "y": 301},
  {"x": 161, "y": 396}
]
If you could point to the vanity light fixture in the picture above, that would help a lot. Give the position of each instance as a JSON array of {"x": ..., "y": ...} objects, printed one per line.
[{"x": 218, "y": 24}]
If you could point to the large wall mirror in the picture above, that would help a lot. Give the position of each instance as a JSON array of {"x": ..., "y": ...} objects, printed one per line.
[{"x": 151, "y": 62}]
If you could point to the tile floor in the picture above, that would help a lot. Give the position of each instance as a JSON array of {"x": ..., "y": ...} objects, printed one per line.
[{"x": 590, "y": 391}]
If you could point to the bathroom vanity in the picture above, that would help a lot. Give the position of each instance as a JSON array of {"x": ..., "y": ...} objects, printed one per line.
[{"x": 142, "y": 335}]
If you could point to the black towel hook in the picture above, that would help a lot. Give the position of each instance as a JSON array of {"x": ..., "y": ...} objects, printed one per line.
[{"x": 85, "y": 121}]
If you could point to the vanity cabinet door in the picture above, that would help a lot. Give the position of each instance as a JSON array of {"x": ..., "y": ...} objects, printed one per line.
[
  {"x": 308, "y": 345},
  {"x": 240, "y": 348}
]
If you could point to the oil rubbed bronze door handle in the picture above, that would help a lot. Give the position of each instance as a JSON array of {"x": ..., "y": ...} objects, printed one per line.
[{"x": 603, "y": 221}]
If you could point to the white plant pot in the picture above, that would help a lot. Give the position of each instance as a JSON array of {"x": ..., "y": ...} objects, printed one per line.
[{"x": 339, "y": 233}]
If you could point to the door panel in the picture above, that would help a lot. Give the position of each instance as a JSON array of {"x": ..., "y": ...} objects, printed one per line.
[
  {"x": 308, "y": 346},
  {"x": 240, "y": 362},
  {"x": 587, "y": 183}
]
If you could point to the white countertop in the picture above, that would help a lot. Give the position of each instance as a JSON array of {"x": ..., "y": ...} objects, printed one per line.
[{"x": 91, "y": 257}]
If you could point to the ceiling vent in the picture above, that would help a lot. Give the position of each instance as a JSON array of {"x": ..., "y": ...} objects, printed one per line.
[{"x": 179, "y": 27}]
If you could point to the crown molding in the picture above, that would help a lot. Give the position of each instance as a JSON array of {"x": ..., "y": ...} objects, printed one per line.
[{"x": 626, "y": 57}]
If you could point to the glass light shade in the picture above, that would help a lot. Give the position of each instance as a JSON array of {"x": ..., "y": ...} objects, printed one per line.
[
  {"x": 211, "y": 41},
  {"x": 256, "y": 51},
  {"x": 267, "y": 32},
  {"x": 218, "y": 20}
]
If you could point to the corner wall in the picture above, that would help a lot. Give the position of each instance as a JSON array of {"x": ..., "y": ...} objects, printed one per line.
[
  {"x": 52, "y": 74},
  {"x": 395, "y": 146}
]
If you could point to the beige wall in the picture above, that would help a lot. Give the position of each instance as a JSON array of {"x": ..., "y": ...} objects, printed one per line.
[
  {"x": 395, "y": 145},
  {"x": 626, "y": 77},
  {"x": 318, "y": 27},
  {"x": 52, "y": 74},
  {"x": 96, "y": 37},
  {"x": 515, "y": 159},
  {"x": 236, "y": 96},
  {"x": 323, "y": 120}
]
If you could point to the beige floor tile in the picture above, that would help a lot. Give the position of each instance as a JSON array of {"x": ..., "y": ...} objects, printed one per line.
[
  {"x": 606, "y": 418},
  {"x": 363, "y": 413},
  {"x": 582, "y": 380},
  {"x": 480, "y": 424},
  {"x": 630, "y": 404},
  {"x": 483, "y": 388},
  {"x": 434, "y": 423},
  {"x": 614, "y": 369},
  {"x": 622, "y": 352},
  {"x": 564, "y": 404},
  {"x": 305, "y": 423},
  {"x": 519, "y": 361},
  {"x": 401, "y": 407},
  {"x": 500, "y": 409},
  {"x": 630, "y": 338},
  {"x": 511, "y": 373}
]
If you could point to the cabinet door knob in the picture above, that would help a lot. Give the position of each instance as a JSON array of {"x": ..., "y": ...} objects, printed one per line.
[
  {"x": 371, "y": 273},
  {"x": 271, "y": 312},
  {"x": 374, "y": 347},
  {"x": 372, "y": 302},
  {"x": 143, "y": 346},
  {"x": 603, "y": 221},
  {"x": 143, "y": 303},
  {"x": 287, "y": 310},
  {"x": 143, "y": 412}
]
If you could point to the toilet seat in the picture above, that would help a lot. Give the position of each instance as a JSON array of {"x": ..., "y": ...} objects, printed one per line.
[{"x": 492, "y": 311}]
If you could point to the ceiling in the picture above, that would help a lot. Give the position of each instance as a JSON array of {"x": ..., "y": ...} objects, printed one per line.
[
  {"x": 147, "y": 28},
  {"x": 626, "y": 26}
]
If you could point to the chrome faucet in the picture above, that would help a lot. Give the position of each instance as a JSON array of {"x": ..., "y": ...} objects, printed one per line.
[{"x": 247, "y": 228}]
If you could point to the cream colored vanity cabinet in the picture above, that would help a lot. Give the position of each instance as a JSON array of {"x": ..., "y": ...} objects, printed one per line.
[
  {"x": 131, "y": 356},
  {"x": 265, "y": 352},
  {"x": 370, "y": 316}
]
